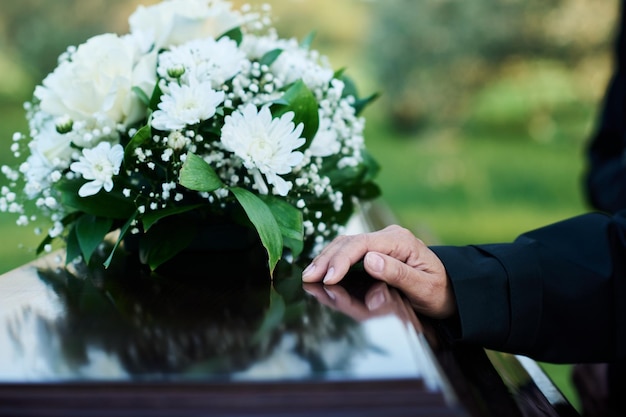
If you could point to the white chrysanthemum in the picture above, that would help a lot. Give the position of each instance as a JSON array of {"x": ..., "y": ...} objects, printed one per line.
[
  {"x": 265, "y": 144},
  {"x": 99, "y": 165},
  {"x": 204, "y": 60},
  {"x": 186, "y": 105}
]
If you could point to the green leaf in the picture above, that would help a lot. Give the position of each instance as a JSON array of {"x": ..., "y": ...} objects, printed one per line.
[
  {"x": 90, "y": 232},
  {"x": 72, "y": 248},
  {"x": 308, "y": 40},
  {"x": 300, "y": 100},
  {"x": 289, "y": 220},
  {"x": 235, "y": 34},
  {"x": 123, "y": 231},
  {"x": 372, "y": 166},
  {"x": 361, "y": 103},
  {"x": 66, "y": 221},
  {"x": 142, "y": 136},
  {"x": 351, "y": 90},
  {"x": 141, "y": 95},
  {"x": 271, "y": 56},
  {"x": 196, "y": 174},
  {"x": 151, "y": 217},
  {"x": 369, "y": 191},
  {"x": 155, "y": 99},
  {"x": 263, "y": 220},
  {"x": 111, "y": 204}
]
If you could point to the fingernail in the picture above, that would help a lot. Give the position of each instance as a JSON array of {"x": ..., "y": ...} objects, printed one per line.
[
  {"x": 329, "y": 274},
  {"x": 376, "y": 300},
  {"x": 308, "y": 270},
  {"x": 375, "y": 262},
  {"x": 330, "y": 294}
]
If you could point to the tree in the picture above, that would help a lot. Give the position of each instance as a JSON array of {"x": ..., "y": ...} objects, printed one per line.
[{"x": 431, "y": 55}]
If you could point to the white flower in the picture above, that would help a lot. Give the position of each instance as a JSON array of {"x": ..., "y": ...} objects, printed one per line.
[
  {"x": 326, "y": 141},
  {"x": 175, "y": 22},
  {"x": 265, "y": 144},
  {"x": 49, "y": 151},
  {"x": 204, "y": 60},
  {"x": 99, "y": 165},
  {"x": 185, "y": 105},
  {"x": 97, "y": 81}
]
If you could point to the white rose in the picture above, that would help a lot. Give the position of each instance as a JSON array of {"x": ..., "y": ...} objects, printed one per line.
[
  {"x": 49, "y": 151},
  {"x": 53, "y": 146},
  {"x": 97, "y": 82},
  {"x": 175, "y": 22}
]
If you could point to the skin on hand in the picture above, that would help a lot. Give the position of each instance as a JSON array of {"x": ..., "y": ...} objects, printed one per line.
[{"x": 393, "y": 255}]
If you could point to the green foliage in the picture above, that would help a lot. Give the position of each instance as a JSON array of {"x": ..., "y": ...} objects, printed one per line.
[
  {"x": 198, "y": 175},
  {"x": 263, "y": 220},
  {"x": 430, "y": 58},
  {"x": 300, "y": 100},
  {"x": 272, "y": 218}
]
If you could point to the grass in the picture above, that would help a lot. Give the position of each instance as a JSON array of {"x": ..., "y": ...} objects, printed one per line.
[{"x": 461, "y": 190}]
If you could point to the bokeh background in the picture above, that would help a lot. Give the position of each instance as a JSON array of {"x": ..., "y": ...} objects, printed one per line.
[{"x": 486, "y": 105}]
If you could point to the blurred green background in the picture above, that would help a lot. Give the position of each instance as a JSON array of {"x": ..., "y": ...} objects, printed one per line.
[{"x": 486, "y": 105}]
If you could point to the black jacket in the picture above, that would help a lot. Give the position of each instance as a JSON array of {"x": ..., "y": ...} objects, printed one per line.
[
  {"x": 605, "y": 180},
  {"x": 557, "y": 294}
]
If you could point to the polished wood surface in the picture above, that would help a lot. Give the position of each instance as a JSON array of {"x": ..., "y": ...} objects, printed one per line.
[{"x": 214, "y": 335}]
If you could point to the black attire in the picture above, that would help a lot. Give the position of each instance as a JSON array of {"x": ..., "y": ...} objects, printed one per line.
[
  {"x": 605, "y": 183},
  {"x": 605, "y": 186},
  {"x": 556, "y": 294}
]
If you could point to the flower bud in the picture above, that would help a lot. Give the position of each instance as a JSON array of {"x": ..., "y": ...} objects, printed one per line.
[
  {"x": 176, "y": 71},
  {"x": 64, "y": 125}
]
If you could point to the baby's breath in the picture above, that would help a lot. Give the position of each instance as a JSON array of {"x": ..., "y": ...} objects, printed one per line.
[{"x": 219, "y": 85}]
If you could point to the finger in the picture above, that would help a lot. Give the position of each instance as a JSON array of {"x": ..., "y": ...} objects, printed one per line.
[
  {"x": 429, "y": 292},
  {"x": 335, "y": 260}
]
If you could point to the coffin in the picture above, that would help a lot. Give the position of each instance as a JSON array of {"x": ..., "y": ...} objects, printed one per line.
[{"x": 228, "y": 341}]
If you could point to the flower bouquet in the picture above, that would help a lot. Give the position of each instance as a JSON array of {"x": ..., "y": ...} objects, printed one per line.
[{"x": 200, "y": 114}]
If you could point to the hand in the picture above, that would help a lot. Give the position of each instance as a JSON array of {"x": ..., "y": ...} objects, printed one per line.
[{"x": 393, "y": 255}]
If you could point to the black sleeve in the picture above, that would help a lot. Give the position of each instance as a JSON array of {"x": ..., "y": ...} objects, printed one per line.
[
  {"x": 605, "y": 179},
  {"x": 555, "y": 294}
]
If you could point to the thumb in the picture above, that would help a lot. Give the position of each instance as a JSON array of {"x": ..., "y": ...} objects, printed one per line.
[
  {"x": 429, "y": 293},
  {"x": 386, "y": 268}
]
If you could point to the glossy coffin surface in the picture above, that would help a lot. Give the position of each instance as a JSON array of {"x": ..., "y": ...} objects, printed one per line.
[
  {"x": 213, "y": 334},
  {"x": 116, "y": 326}
]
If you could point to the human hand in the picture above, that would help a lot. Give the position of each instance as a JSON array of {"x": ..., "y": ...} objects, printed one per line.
[{"x": 393, "y": 255}]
